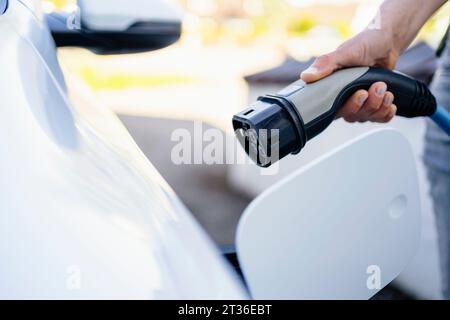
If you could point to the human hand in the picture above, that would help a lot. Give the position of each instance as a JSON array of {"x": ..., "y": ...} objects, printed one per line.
[{"x": 369, "y": 48}]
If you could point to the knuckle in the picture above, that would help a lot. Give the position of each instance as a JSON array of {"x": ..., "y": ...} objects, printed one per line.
[
  {"x": 351, "y": 55},
  {"x": 325, "y": 58},
  {"x": 394, "y": 110},
  {"x": 388, "y": 118},
  {"x": 352, "y": 109},
  {"x": 372, "y": 107},
  {"x": 350, "y": 118}
]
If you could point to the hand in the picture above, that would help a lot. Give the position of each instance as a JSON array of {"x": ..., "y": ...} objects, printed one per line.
[
  {"x": 399, "y": 23},
  {"x": 369, "y": 48}
]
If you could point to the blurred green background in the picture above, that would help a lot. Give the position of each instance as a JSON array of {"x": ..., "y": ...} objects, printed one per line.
[{"x": 222, "y": 41}]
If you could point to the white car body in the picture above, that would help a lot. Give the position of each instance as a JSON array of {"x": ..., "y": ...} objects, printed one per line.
[{"x": 83, "y": 214}]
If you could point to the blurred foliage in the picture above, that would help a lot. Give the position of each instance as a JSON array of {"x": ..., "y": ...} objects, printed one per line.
[
  {"x": 60, "y": 4},
  {"x": 436, "y": 26},
  {"x": 244, "y": 27},
  {"x": 279, "y": 16},
  {"x": 343, "y": 29},
  {"x": 113, "y": 81},
  {"x": 301, "y": 26},
  {"x": 234, "y": 24}
]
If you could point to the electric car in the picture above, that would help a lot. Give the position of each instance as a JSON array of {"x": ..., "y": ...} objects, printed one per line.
[{"x": 85, "y": 215}]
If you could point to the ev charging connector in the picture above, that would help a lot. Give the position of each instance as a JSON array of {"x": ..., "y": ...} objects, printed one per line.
[{"x": 299, "y": 112}]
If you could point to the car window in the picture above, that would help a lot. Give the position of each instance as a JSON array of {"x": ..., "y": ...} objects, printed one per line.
[{"x": 3, "y": 6}]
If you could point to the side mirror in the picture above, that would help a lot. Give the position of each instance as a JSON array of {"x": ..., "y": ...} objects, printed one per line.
[
  {"x": 119, "y": 26},
  {"x": 3, "y": 6}
]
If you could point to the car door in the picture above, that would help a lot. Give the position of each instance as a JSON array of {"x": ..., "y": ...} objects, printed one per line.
[{"x": 83, "y": 214}]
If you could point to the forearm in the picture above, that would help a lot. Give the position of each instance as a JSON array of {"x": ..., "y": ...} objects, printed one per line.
[{"x": 403, "y": 19}]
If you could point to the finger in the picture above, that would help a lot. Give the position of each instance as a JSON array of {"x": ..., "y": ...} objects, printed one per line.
[
  {"x": 385, "y": 109},
  {"x": 328, "y": 63},
  {"x": 374, "y": 102},
  {"x": 391, "y": 114},
  {"x": 321, "y": 67},
  {"x": 388, "y": 115},
  {"x": 353, "y": 104},
  {"x": 346, "y": 55}
]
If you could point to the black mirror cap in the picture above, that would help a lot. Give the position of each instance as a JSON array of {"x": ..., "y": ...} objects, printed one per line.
[
  {"x": 139, "y": 37},
  {"x": 3, "y": 6}
]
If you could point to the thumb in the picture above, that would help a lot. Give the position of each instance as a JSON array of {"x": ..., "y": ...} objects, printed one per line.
[{"x": 323, "y": 66}]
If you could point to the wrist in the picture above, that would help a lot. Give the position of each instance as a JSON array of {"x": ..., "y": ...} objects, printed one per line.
[
  {"x": 401, "y": 21},
  {"x": 394, "y": 31}
]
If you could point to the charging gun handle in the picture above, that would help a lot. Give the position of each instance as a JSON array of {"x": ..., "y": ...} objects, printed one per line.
[{"x": 317, "y": 103}]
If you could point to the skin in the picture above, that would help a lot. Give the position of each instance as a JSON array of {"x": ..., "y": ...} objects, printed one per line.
[{"x": 401, "y": 20}]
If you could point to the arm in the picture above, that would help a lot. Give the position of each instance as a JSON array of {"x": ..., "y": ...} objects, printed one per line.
[
  {"x": 399, "y": 23},
  {"x": 403, "y": 19}
]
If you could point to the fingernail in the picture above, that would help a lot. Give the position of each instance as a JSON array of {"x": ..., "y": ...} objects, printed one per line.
[
  {"x": 388, "y": 100},
  {"x": 311, "y": 70},
  {"x": 381, "y": 90},
  {"x": 362, "y": 99}
]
